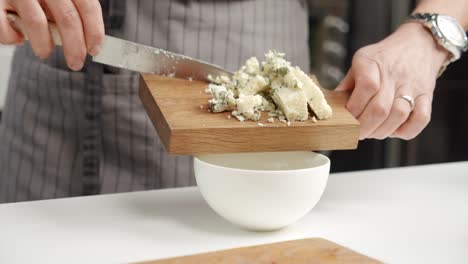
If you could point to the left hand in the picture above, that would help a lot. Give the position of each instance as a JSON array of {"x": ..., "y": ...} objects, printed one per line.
[{"x": 405, "y": 63}]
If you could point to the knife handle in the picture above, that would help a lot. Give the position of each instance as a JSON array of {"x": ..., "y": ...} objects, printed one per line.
[{"x": 17, "y": 24}]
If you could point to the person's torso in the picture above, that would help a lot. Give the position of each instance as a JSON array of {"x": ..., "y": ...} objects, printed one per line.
[
  {"x": 78, "y": 133},
  {"x": 222, "y": 32}
]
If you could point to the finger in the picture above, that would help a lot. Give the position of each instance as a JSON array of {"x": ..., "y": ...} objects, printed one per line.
[
  {"x": 8, "y": 35},
  {"x": 399, "y": 113},
  {"x": 418, "y": 119},
  {"x": 347, "y": 83},
  {"x": 70, "y": 29},
  {"x": 47, "y": 12},
  {"x": 93, "y": 24},
  {"x": 36, "y": 27},
  {"x": 367, "y": 84},
  {"x": 376, "y": 112}
]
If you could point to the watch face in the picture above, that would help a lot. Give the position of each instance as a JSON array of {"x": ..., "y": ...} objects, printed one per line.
[{"x": 451, "y": 30}]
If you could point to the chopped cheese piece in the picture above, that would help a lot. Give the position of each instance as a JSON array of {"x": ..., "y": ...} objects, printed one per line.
[
  {"x": 254, "y": 85},
  {"x": 223, "y": 99},
  {"x": 275, "y": 65},
  {"x": 267, "y": 105},
  {"x": 315, "y": 96},
  {"x": 249, "y": 105},
  {"x": 292, "y": 102},
  {"x": 252, "y": 66}
]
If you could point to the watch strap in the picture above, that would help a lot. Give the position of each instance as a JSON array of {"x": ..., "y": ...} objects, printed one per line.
[
  {"x": 443, "y": 68},
  {"x": 420, "y": 16}
]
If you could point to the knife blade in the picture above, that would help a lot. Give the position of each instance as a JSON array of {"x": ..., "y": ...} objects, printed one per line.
[
  {"x": 141, "y": 58},
  {"x": 132, "y": 56}
]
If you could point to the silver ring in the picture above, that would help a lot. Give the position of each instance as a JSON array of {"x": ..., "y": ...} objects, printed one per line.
[{"x": 410, "y": 100}]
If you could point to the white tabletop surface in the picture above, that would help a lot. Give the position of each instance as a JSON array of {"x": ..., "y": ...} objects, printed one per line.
[{"x": 407, "y": 215}]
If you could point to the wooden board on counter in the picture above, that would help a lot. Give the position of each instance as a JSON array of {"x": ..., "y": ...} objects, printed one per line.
[
  {"x": 305, "y": 251},
  {"x": 179, "y": 111}
]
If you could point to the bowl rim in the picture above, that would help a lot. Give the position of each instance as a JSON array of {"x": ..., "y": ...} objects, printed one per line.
[{"x": 327, "y": 163}]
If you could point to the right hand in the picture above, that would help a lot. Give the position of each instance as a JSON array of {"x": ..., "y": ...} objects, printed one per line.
[{"x": 79, "y": 22}]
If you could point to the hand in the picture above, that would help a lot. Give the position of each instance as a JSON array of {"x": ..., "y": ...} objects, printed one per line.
[
  {"x": 405, "y": 63},
  {"x": 79, "y": 22}
]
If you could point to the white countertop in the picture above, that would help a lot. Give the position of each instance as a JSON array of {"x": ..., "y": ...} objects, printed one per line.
[{"x": 407, "y": 215}]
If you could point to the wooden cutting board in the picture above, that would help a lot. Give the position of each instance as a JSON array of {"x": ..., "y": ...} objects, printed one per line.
[
  {"x": 306, "y": 251},
  {"x": 179, "y": 111}
]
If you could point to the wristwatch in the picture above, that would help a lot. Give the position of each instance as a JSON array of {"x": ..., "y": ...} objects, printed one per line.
[{"x": 447, "y": 32}]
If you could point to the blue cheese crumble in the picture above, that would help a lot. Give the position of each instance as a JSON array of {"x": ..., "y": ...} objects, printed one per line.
[{"x": 275, "y": 86}]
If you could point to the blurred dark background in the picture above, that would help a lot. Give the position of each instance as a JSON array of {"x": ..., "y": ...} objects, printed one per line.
[{"x": 340, "y": 27}]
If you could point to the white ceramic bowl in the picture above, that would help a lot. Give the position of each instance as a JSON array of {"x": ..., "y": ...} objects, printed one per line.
[{"x": 262, "y": 191}]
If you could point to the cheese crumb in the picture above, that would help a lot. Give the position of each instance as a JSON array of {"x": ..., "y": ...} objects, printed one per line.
[
  {"x": 261, "y": 125},
  {"x": 314, "y": 119},
  {"x": 240, "y": 118},
  {"x": 271, "y": 120}
]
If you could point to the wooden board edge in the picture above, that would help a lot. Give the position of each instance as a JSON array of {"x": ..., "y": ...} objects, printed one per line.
[
  {"x": 154, "y": 113},
  {"x": 179, "y": 259},
  {"x": 371, "y": 259},
  {"x": 195, "y": 145}
]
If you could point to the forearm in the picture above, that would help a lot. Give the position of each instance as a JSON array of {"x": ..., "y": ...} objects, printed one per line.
[{"x": 454, "y": 8}]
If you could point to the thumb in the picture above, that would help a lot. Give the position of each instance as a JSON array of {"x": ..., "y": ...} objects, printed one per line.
[{"x": 347, "y": 83}]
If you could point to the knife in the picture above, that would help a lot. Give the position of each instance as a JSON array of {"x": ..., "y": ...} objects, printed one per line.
[{"x": 141, "y": 58}]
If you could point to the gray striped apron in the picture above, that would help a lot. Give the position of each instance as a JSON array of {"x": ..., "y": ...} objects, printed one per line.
[{"x": 69, "y": 134}]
